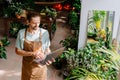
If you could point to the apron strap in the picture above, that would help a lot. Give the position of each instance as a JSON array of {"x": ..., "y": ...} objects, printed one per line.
[
  {"x": 40, "y": 35},
  {"x": 25, "y": 33}
]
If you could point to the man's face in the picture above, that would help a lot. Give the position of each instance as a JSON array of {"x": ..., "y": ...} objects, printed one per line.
[{"x": 34, "y": 23}]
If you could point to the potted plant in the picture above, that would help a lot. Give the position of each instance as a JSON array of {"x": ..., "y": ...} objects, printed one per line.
[
  {"x": 17, "y": 9},
  {"x": 13, "y": 9},
  {"x": 49, "y": 12},
  {"x": 15, "y": 27},
  {"x": 3, "y": 43},
  {"x": 73, "y": 20},
  {"x": 98, "y": 60}
]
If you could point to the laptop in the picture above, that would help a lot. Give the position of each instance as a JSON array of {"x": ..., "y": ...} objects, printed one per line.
[{"x": 54, "y": 54}]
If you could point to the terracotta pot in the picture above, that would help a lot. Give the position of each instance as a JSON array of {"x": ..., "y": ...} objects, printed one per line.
[
  {"x": 18, "y": 16},
  {"x": 24, "y": 14}
]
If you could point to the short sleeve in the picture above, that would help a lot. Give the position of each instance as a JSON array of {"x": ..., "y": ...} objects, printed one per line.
[
  {"x": 45, "y": 40},
  {"x": 19, "y": 40}
]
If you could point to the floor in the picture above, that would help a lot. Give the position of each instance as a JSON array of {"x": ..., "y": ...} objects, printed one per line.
[{"x": 10, "y": 69}]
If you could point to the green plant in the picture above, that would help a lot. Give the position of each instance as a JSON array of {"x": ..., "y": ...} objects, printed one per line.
[
  {"x": 73, "y": 20},
  {"x": 95, "y": 22},
  {"x": 15, "y": 27},
  {"x": 3, "y": 43},
  {"x": 53, "y": 27},
  {"x": 114, "y": 57},
  {"x": 94, "y": 58},
  {"x": 72, "y": 58},
  {"x": 98, "y": 60},
  {"x": 50, "y": 12},
  {"x": 71, "y": 41},
  {"x": 15, "y": 8},
  {"x": 77, "y": 5},
  {"x": 82, "y": 74},
  {"x": 18, "y": 8},
  {"x": 28, "y": 3}
]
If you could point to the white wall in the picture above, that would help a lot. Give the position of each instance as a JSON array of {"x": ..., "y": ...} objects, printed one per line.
[{"x": 108, "y": 5}]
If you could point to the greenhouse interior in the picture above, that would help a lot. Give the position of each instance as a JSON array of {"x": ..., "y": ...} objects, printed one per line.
[{"x": 79, "y": 39}]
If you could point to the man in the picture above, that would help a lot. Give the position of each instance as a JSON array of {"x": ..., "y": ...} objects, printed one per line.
[{"x": 33, "y": 43}]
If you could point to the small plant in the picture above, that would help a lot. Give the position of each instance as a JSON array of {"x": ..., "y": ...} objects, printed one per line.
[
  {"x": 49, "y": 12},
  {"x": 53, "y": 27},
  {"x": 73, "y": 20},
  {"x": 95, "y": 23},
  {"x": 15, "y": 27},
  {"x": 82, "y": 74},
  {"x": 71, "y": 41},
  {"x": 3, "y": 43},
  {"x": 15, "y": 8}
]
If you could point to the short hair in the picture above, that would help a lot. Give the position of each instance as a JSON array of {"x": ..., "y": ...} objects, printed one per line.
[{"x": 32, "y": 14}]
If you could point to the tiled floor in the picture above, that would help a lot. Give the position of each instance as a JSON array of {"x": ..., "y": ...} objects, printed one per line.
[{"x": 10, "y": 69}]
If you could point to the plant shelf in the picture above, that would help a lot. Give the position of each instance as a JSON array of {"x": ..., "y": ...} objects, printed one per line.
[{"x": 49, "y": 3}]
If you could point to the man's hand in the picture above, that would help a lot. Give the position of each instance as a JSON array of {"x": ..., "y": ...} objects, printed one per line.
[
  {"x": 50, "y": 61},
  {"x": 39, "y": 55}
]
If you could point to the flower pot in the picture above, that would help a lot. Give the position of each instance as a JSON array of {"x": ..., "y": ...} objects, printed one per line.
[
  {"x": 18, "y": 16},
  {"x": 23, "y": 14}
]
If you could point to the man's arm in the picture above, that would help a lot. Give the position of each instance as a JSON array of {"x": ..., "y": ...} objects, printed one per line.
[
  {"x": 35, "y": 54},
  {"x": 23, "y": 52}
]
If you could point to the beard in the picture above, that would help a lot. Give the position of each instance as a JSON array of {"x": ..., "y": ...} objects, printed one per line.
[{"x": 35, "y": 28}]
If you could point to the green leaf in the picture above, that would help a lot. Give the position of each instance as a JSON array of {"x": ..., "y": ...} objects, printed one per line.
[{"x": 3, "y": 55}]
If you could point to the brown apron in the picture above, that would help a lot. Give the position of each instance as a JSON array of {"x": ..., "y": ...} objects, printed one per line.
[{"x": 30, "y": 69}]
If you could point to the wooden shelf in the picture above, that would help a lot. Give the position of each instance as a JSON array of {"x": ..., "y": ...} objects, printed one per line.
[{"x": 49, "y": 3}]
